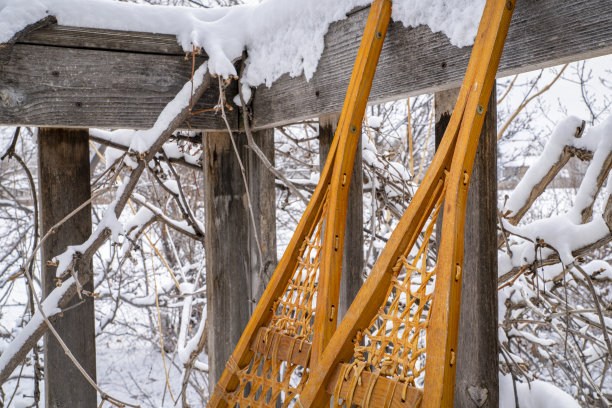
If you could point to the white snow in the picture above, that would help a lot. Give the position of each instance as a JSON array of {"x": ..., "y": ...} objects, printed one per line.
[
  {"x": 566, "y": 232},
  {"x": 171, "y": 149},
  {"x": 458, "y": 20},
  {"x": 559, "y": 232},
  {"x": 596, "y": 139},
  {"x": 599, "y": 269},
  {"x": 553, "y": 151},
  {"x": 599, "y": 140},
  {"x": 109, "y": 221},
  {"x": 134, "y": 224},
  {"x": 375, "y": 121},
  {"x": 111, "y": 155},
  {"x": 537, "y": 394},
  {"x": 281, "y": 36},
  {"x": 177, "y": 224},
  {"x": 532, "y": 338},
  {"x": 140, "y": 141},
  {"x": 50, "y": 307}
]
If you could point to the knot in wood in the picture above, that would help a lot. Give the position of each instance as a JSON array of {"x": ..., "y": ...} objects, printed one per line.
[{"x": 10, "y": 97}]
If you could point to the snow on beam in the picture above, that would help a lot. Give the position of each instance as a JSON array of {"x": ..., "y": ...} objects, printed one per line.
[
  {"x": 82, "y": 77},
  {"x": 543, "y": 33},
  {"x": 74, "y": 77}
]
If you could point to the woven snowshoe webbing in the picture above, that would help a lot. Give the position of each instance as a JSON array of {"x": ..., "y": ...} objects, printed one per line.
[
  {"x": 404, "y": 320},
  {"x": 281, "y": 349},
  {"x": 271, "y": 361}
]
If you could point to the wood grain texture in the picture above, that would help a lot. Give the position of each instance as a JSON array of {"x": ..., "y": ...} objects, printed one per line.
[
  {"x": 263, "y": 261},
  {"x": 352, "y": 258},
  {"x": 476, "y": 385},
  {"x": 443, "y": 328},
  {"x": 98, "y": 39},
  {"x": 64, "y": 185},
  {"x": 348, "y": 135},
  {"x": 477, "y": 382},
  {"x": 70, "y": 87},
  {"x": 227, "y": 255},
  {"x": 416, "y": 61}
]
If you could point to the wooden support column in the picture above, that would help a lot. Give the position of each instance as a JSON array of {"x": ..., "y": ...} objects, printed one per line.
[
  {"x": 352, "y": 261},
  {"x": 64, "y": 184},
  {"x": 477, "y": 384},
  {"x": 227, "y": 252},
  {"x": 263, "y": 199}
]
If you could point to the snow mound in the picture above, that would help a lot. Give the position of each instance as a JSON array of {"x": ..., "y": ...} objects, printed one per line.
[
  {"x": 537, "y": 394},
  {"x": 281, "y": 36}
]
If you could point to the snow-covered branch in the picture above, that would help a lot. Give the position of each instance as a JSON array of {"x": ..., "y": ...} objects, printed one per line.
[{"x": 144, "y": 146}]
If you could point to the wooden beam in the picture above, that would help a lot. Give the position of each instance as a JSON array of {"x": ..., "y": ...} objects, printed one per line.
[
  {"x": 69, "y": 77},
  {"x": 63, "y": 164},
  {"x": 262, "y": 189},
  {"x": 414, "y": 61},
  {"x": 477, "y": 383},
  {"x": 352, "y": 258},
  {"x": 105, "y": 40},
  {"x": 227, "y": 255}
]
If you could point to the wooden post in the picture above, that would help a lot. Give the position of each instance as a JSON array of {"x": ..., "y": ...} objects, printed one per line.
[
  {"x": 263, "y": 199},
  {"x": 477, "y": 384},
  {"x": 352, "y": 259},
  {"x": 63, "y": 165},
  {"x": 227, "y": 252}
]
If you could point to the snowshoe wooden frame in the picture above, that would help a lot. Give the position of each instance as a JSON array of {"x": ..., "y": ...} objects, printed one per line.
[
  {"x": 271, "y": 346},
  {"x": 329, "y": 354},
  {"x": 448, "y": 178}
]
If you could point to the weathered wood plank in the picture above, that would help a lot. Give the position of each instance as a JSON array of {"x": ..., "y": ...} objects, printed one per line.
[
  {"x": 476, "y": 383},
  {"x": 98, "y": 39},
  {"x": 415, "y": 61},
  {"x": 71, "y": 87},
  {"x": 63, "y": 158},
  {"x": 263, "y": 199},
  {"x": 227, "y": 254}
]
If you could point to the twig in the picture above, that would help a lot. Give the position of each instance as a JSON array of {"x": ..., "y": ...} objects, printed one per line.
[
  {"x": 602, "y": 321},
  {"x": 101, "y": 234},
  {"x": 422, "y": 164},
  {"x": 409, "y": 136},
  {"x": 261, "y": 155},
  {"x": 161, "y": 336},
  {"x": 507, "y": 91},
  {"x": 244, "y": 178},
  {"x": 11, "y": 149},
  {"x": 524, "y": 104},
  {"x": 11, "y": 154}
]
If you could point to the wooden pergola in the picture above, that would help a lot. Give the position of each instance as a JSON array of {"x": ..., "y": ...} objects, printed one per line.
[{"x": 59, "y": 78}]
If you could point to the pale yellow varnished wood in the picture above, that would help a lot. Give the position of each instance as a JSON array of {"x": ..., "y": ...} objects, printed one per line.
[
  {"x": 347, "y": 134},
  {"x": 444, "y": 324},
  {"x": 455, "y": 156}
]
